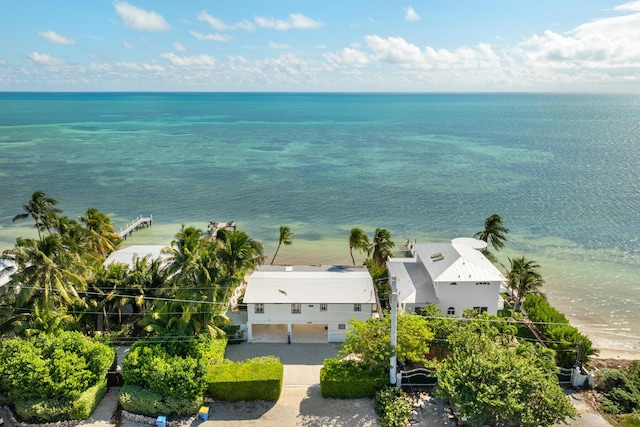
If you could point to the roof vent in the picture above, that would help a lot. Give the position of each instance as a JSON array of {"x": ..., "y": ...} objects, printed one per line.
[
  {"x": 288, "y": 268},
  {"x": 437, "y": 257}
]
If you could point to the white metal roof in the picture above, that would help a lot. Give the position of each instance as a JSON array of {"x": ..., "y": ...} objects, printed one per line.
[
  {"x": 310, "y": 284},
  {"x": 448, "y": 262},
  {"x": 129, "y": 254}
]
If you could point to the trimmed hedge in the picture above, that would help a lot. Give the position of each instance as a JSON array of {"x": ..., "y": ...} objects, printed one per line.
[
  {"x": 349, "y": 379},
  {"x": 215, "y": 351},
  {"x": 139, "y": 400},
  {"x": 259, "y": 378},
  {"x": 52, "y": 409}
]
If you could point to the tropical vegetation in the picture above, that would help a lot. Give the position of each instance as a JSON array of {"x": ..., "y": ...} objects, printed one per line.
[
  {"x": 285, "y": 238},
  {"x": 495, "y": 233}
]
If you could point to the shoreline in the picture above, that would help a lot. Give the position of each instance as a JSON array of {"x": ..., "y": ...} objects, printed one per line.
[{"x": 611, "y": 343}]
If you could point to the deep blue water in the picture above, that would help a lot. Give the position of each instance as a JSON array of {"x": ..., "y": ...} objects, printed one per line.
[{"x": 562, "y": 170}]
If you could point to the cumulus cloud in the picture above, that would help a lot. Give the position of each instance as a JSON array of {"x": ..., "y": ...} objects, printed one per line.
[
  {"x": 411, "y": 15},
  {"x": 214, "y": 37},
  {"x": 140, "y": 19},
  {"x": 276, "y": 46},
  {"x": 634, "y": 5},
  {"x": 202, "y": 60},
  {"x": 128, "y": 45},
  {"x": 54, "y": 37},
  {"x": 44, "y": 59},
  {"x": 140, "y": 66},
  {"x": 218, "y": 24},
  {"x": 179, "y": 47},
  {"x": 295, "y": 21}
]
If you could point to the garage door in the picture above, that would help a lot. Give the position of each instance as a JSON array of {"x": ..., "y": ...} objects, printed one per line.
[
  {"x": 306, "y": 333},
  {"x": 269, "y": 333}
]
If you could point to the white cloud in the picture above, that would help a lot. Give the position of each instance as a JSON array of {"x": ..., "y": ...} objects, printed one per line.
[
  {"x": 44, "y": 59},
  {"x": 54, "y": 37},
  {"x": 179, "y": 47},
  {"x": 411, "y": 15},
  {"x": 220, "y": 25},
  {"x": 276, "y": 46},
  {"x": 140, "y": 19},
  {"x": 128, "y": 45},
  {"x": 202, "y": 60},
  {"x": 295, "y": 21},
  {"x": 349, "y": 57},
  {"x": 634, "y": 5},
  {"x": 140, "y": 66},
  {"x": 214, "y": 37}
]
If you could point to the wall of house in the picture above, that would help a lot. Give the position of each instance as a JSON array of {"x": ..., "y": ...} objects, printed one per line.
[
  {"x": 336, "y": 316},
  {"x": 468, "y": 295}
]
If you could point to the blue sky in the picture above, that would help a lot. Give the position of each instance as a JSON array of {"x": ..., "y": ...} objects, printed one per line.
[{"x": 330, "y": 45}]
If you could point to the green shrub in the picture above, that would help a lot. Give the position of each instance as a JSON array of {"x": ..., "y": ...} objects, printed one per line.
[
  {"x": 42, "y": 410},
  {"x": 84, "y": 405},
  {"x": 620, "y": 395},
  {"x": 259, "y": 378},
  {"x": 139, "y": 400},
  {"x": 214, "y": 351},
  {"x": 631, "y": 420},
  {"x": 348, "y": 379},
  {"x": 393, "y": 407},
  {"x": 59, "y": 367}
]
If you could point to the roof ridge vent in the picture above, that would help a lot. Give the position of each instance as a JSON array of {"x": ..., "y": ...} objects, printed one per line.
[{"x": 437, "y": 257}]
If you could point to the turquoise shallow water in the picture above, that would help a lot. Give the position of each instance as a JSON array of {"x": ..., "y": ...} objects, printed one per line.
[{"x": 560, "y": 169}]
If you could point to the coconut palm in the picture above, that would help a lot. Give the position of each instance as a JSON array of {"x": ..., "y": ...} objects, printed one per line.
[
  {"x": 382, "y": 247},
  {"x": 359, "y": 241},
  {"x": 102, "y": 239},
  {"x": 239, "y": 252},
  {"x": 285, "y": 239},
  {"x": 494, "y": 232},
  {"x": 523, "y": 279},
  {"x": 43, "y": 211},
  {"x": 47, "y": 271}
]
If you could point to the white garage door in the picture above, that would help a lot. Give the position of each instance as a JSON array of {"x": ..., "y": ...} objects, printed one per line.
[
  {"x": 269, "y": 333},
  {"x": 305, "y": 333}
]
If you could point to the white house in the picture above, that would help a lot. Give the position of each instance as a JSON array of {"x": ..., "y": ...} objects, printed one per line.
[
  {"x": 455, "y": 276},
  {"x": 129, "y": 254},
  {"x": 306, "y": 303}
]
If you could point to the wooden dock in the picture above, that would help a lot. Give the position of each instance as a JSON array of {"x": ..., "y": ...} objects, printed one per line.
[{"x": 139, "y": 222}]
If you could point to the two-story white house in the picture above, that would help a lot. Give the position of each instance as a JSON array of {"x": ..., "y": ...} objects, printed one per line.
[
  {"x": 305, "y": 303},
  {"x": 455, "y": 276}
]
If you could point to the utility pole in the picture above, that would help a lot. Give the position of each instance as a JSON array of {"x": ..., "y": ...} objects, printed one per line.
[{"x": 394, "y": 331}]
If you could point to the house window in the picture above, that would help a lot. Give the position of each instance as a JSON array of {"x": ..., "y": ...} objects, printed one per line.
[
  {"x": 480, "y": 310},
  {"x": 483, "y": 283},
  {"x": 259, "y": 308},
  {"x": 451, "y": 311},
  {"x": 357, "y": 307},
  {"x": 341, "y": 325},
  {"x": 296, "y": 308},
  {"x": 323, "y": 307}
]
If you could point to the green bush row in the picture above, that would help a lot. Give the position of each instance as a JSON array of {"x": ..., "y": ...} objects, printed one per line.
[
  {"x": 58, "y": 367},
  {"x": 52, "y": 409},
  {"x": 139, "y": 400},
  {"x": 259, "y": 378},
  {"x": 348, "y": 379},
  {"x": 570, "y": 345}
]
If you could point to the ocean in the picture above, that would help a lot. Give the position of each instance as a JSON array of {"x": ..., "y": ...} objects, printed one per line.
[{"x": 561, "y": 170}]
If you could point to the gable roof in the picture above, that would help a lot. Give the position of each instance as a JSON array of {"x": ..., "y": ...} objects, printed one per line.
[
  {"x": 447, "y": 262},
  {"x": 309, "y": 284}
]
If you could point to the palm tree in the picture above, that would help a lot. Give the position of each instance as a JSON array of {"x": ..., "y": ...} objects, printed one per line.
[
  {"x": 239, "y": 252},
  {"x": 523, "y": 279},
  {"x": 42, "y": 209},
  {"x": 47, "y": 271},
  {"x": 102, "y": 239},
  {"x": 285, "y": 239},
  {"x": 382, "y": 247},
  {"x": 359, "y": 241},
  {"x": 494, "y": 232}
]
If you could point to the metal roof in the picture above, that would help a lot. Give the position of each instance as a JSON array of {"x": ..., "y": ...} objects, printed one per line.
[
  {"x": 129, "y": 254},
  {"x": 412, "y": 281},
  {"x": 310, "y": 284}
]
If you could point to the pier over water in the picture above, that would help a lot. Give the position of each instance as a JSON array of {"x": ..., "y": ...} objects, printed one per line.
[{"x": 139, "y": 222}]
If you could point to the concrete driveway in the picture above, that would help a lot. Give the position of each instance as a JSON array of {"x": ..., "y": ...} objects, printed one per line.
[{"x": 301, "y": 403}]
